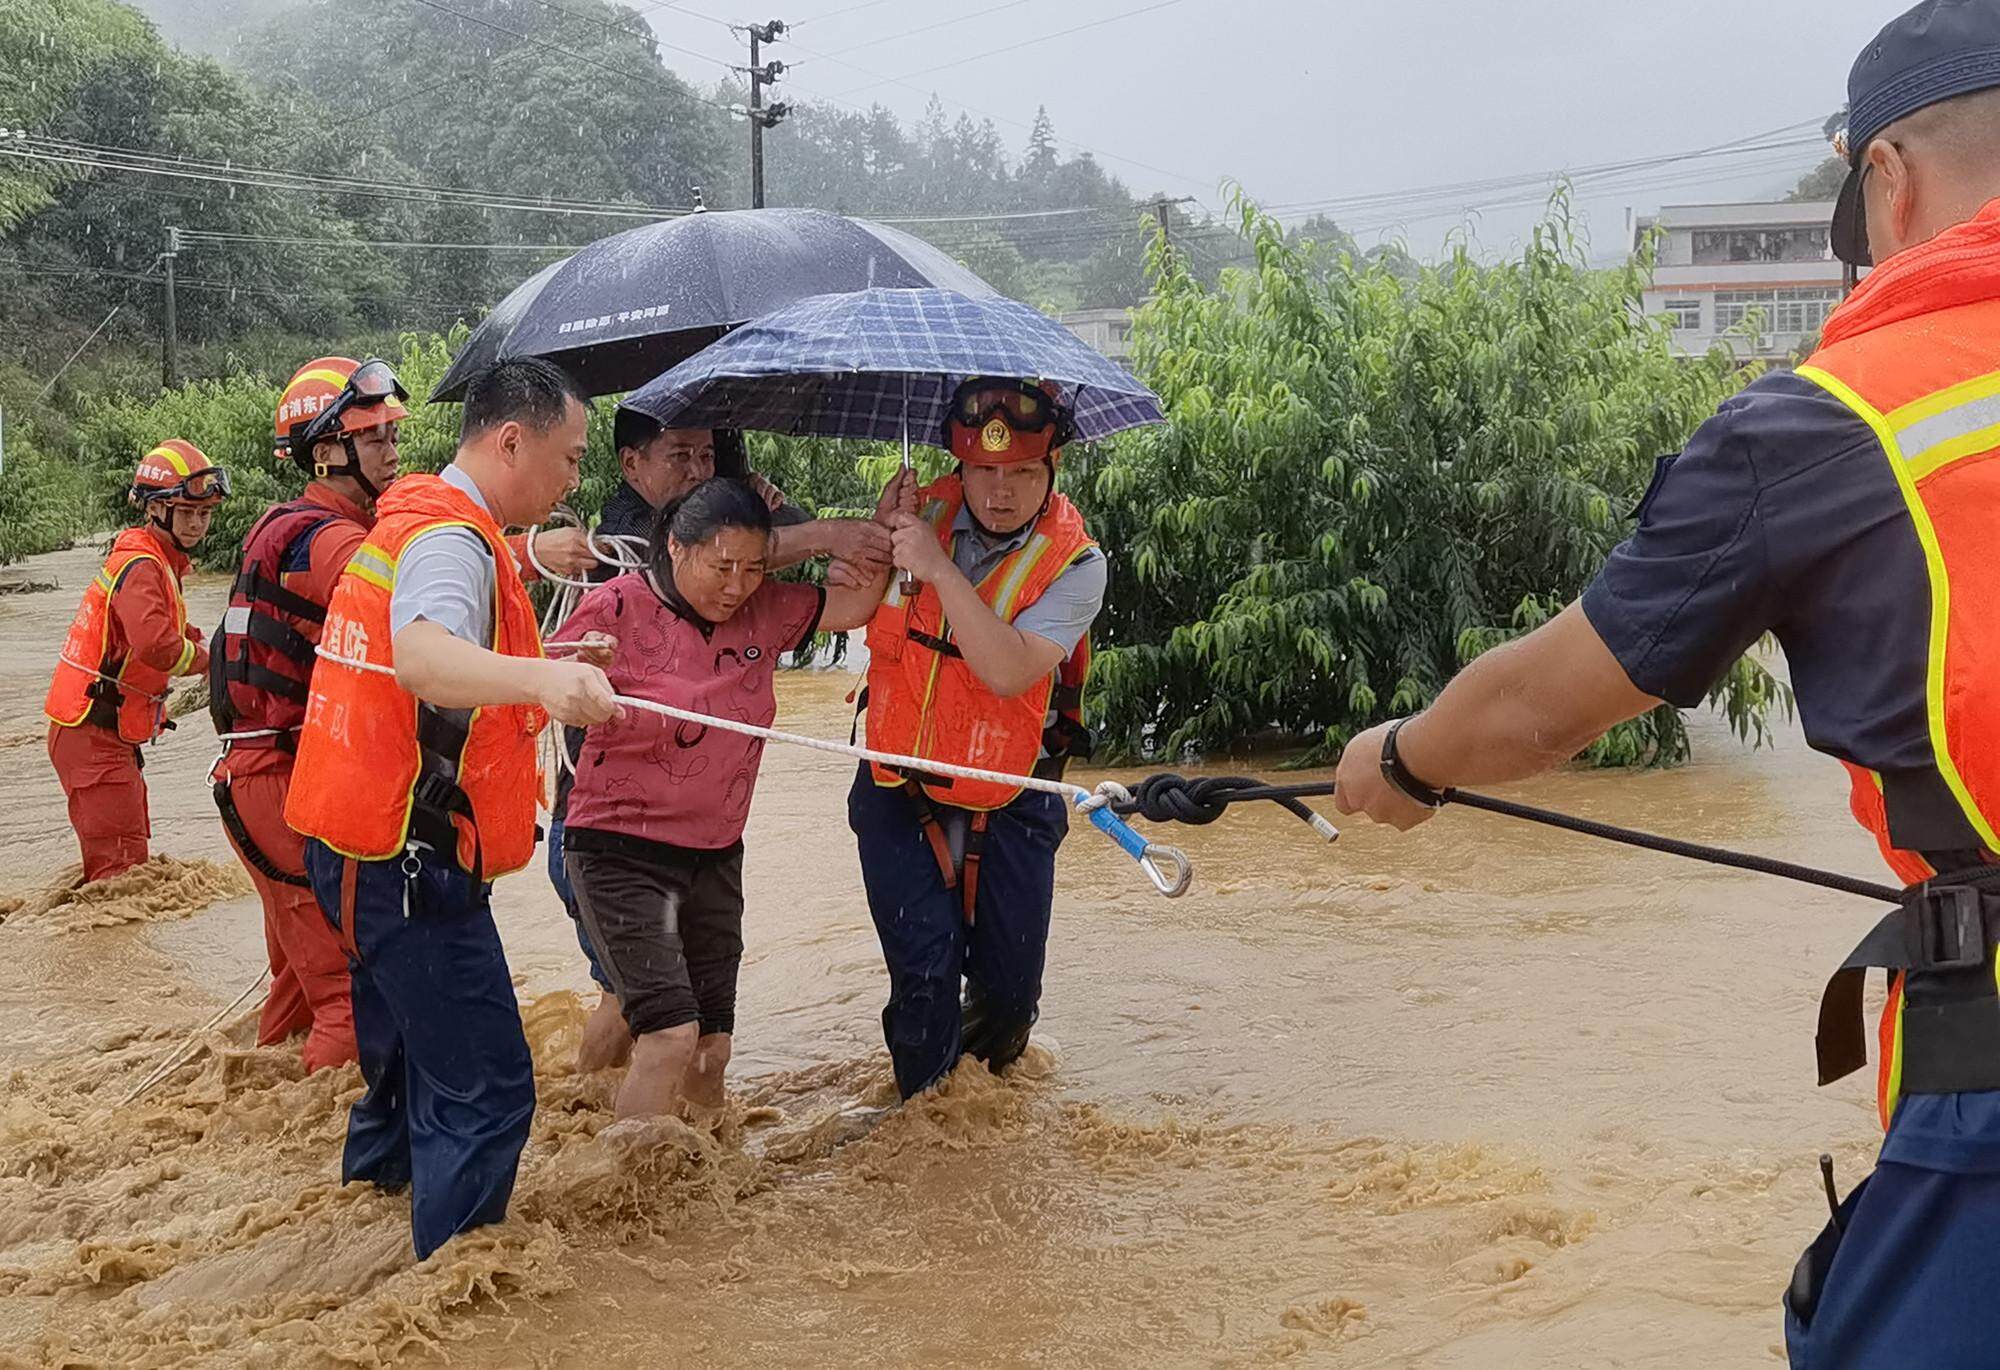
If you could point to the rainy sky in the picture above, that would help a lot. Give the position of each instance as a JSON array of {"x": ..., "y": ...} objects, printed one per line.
[
  {"x": 1344, "y": 105},
  {"x": 1309, "y": 100}
]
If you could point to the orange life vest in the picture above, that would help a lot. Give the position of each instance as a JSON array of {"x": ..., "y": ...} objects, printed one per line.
[
  {"x": 373, "y": 760},
  {"x": 1913, "y": 353},
  {"x": 130, "y": 689},
  {"x": 923, "y": 700}
]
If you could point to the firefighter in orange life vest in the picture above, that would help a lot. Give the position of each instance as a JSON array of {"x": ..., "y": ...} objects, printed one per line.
[
  {"x": 982, "y": 666},
  {"x": 130, "y": 638},
  {"x": 415, "y": 787},
  {"x": 337, "y": 421},
  {"x": 1848, "y": 507}
]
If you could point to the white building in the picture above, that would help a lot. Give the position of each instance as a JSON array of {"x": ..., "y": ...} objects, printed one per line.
[
  {"x": 1107, "y": 330},
  {"x": 1719, "y": 264}
]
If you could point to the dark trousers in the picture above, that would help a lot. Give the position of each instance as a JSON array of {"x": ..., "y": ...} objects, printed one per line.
[
  {"x": 451, "y": 1086},
  {"x": 1908, "y": 1283},
  {"x": 559, "y": 877},
  {"x": 929, "y": 947}
]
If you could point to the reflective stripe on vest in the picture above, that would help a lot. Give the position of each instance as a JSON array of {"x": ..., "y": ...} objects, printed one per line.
[
  {"x": 1931, "y": 420},
  {"x": 1946, "y": 422},
  {"x": 360, "y": 761},
  {"x": 924, "y": 700},
  {"x": 79, "y": 679}
]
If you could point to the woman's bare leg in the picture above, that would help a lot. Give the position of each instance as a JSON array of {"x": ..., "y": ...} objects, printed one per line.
[
  {"x": 606, "y": 1040},
  {"x": 704, "y": 1076},
  {"x": 659, "y": 1068}
]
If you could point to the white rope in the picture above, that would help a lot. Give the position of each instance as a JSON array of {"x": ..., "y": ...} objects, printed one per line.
[
  {"x": 69, "y": 660},
  {"x": 1076, "y": 794},
  {"x": 175, "y": 1058},
  {"x": 1093, "y": 804}
]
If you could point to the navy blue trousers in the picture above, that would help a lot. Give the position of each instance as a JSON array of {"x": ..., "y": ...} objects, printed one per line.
[
  {"x": 451, "y": 1086},
  {"x": 559, "y": 877},
  {"x": 927, "y": 944},
  {"x": 1909, "y": 1282}
]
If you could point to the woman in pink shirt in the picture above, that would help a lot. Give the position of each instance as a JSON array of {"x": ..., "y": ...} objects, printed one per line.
[{"x": 653, "y": 844}]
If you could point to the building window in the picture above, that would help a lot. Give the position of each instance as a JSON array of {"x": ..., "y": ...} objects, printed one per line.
[
  {"x": 1718, "y": 246},
  {"x": 1803, "y": 311},
  {"x": 1685, "y": 315},
  {"x": 1733, "y": 306},
  {"x": 1782, "y": 311}
]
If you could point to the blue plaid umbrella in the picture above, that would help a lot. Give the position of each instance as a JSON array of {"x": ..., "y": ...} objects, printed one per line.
[{"x": 884, "y": 364}]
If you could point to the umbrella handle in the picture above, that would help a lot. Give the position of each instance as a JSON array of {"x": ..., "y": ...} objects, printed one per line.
[{"x": 912, "y": 587}]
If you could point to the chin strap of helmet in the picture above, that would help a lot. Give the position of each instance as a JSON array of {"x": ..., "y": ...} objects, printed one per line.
[
  {"x": 352, "y": 470},
  {"x": 154, "y": 510}
]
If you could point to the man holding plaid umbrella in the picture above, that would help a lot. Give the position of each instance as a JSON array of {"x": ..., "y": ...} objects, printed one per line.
[{"x": 979, "y": 663}]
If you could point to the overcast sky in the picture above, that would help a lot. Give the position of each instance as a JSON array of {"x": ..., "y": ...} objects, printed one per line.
[{"x": 1314, "y": 100}]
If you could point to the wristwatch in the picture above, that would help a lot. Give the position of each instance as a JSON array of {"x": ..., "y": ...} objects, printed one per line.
[{"x": 1398, "y": 775}]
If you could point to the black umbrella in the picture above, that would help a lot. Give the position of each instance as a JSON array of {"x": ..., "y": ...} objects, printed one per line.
[{"x": 630, "y": 306}]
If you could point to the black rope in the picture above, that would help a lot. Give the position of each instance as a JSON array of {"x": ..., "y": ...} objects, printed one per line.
[{"x": 1169, "y": 798}]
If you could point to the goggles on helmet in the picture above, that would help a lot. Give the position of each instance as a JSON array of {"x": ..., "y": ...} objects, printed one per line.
[
  {"x": 1025, "y": 406},
  {"x": 206, "y": 486},
  {"x": 373, "y": 382}
]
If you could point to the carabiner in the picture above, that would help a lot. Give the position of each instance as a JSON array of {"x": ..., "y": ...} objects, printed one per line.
[{"x": 1183, "y": 869}]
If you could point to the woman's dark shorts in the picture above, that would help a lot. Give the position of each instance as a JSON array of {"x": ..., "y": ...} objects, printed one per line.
[{"x": 667, "y": 925}]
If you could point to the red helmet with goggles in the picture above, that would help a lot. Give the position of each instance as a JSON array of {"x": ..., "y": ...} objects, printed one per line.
[
  {"x": 178, "y": 472},
  {"x": 1004, "y": 422},
  {"x": 331, "y": 399}
]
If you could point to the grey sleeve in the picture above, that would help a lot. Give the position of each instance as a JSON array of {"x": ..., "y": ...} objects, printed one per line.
[
  {"x": 1064, "y": 612},
  {"x": 445, "y": 577}
]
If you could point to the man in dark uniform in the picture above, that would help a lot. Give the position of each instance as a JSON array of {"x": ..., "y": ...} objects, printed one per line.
[{"x": 1848, "y": 508}]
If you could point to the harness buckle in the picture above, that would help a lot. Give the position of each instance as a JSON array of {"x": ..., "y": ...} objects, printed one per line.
[{"x": 1950, "y": 931}]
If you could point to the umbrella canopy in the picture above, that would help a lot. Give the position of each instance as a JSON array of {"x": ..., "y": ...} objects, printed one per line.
[
  {"x": 884, "y": 364},
  {"x": 629, "y": 306}
]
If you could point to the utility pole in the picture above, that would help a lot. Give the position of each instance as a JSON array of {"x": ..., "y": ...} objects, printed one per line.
[
  {"x": 1159, "y": 208},
  {"x": 761, "y": 118},
  {"x": 170, "y": 331}
]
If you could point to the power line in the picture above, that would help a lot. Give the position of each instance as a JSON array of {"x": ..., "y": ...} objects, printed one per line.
[
  {"x": 1206, "y": 182},
  {"x": 619, "y": 72},
  {"x": 851, "y": 9},
  {"x": 986, "y": 54},
  {"x": 610, "y": 28},
  {"x": 942, "y": 23},
  {"x": 989, "y": 218},
  {"x": 1752, "y": 143},
  {"x": 192, "y": 235},
  {"x": 61, "y": 152},
  {"x": 647, "y": 9}
]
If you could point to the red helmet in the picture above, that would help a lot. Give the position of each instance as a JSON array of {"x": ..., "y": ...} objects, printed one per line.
[
  {"x": 178, "y": 472},
  {"x": 335, "y": 397},
  {"x": 999, "y": 421}
]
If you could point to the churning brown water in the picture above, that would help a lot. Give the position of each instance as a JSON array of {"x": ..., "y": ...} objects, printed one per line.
[{"x": 1481, "y": 1096}]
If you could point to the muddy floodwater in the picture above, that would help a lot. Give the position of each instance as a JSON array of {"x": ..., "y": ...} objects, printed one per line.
[{"x": 1480, "y": 1096}]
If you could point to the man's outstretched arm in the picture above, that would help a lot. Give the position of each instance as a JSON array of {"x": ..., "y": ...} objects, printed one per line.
[{"x": 1521, "y": 709}]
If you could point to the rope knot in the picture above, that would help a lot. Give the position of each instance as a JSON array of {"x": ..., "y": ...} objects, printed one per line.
[{"x": 1170, "y": 798}]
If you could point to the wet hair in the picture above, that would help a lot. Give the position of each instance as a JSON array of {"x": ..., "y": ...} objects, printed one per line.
[
  {"x": 526, "y": 390},
  {"x": 630, "y": 428},
  {"x": 717, "y": 503},
  {"x": 732, "y": 455}
]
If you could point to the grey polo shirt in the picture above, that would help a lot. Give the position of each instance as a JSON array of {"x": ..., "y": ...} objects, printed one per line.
[
  {"x": 446, "y": 576},
  {"x": 1066, "y": 609}
]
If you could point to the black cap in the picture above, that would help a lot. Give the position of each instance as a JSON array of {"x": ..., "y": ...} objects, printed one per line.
[{"x": 1939, "y": 49}]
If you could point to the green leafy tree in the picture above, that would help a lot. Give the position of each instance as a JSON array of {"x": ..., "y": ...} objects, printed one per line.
[{"x": 1366, "y": 481}]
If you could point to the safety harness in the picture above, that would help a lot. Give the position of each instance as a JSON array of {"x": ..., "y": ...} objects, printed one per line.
[
  {"x": 246, "y": 690},
  {"x": 1942, "y": 937},
  {"x": 1065, "y": 739}
]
